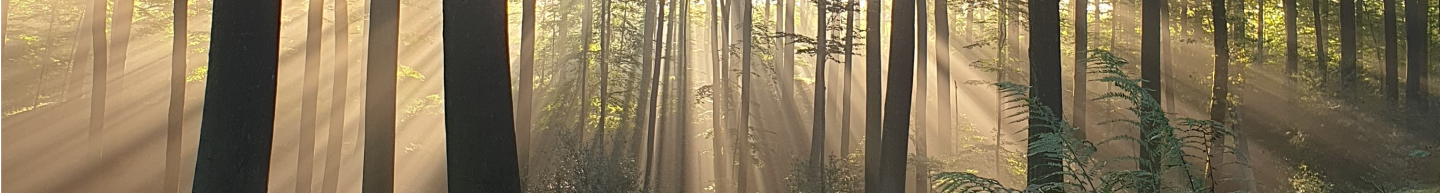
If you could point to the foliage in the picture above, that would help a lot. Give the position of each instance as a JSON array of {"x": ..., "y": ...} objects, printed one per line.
[
  {"x": 1179, "y": 148},
  {"x": 840, "y": 174}
]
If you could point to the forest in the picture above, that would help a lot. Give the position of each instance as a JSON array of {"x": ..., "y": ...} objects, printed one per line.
[{"x": 874, "y": 96}]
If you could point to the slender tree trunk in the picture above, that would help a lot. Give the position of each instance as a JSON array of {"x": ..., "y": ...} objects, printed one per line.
[
  {"x": 175, "y": 127},
  {"x": 1082, "y": 33},
  {"x": 654, "y": 97},
  {"x": 1347, "y": 43},
  {"x": 1418, "y": 42},
  {"x": 873, "y": 95},
  {"x": 306, "y": 162},
  {"x": 239, "y": 112},
  {"x": 1167, "y": 62},
  {"x": 646, "y": 66},
  {"x": 746, "y": 87},
  {"x": 1292, "y": 43},
  {"x": 1321, "y": 56},
  {"x": 99, "y": 82},
  {"x": 943, "y": 72},
  {"x": 682, "y": 146},
  {"x": 331, "y": 182},
  {"x": 82, "y": 55},
  {"x": 1045, "y": 76},
  {"x": 897, "y": 109},
  {"x": 1219, "y": 103},
  {"x": 1150, "y": 72},
  {"x": 525, "y": 104},
  {"x": 480, "y": 152},
  {"x": 1242, "y": 144},
  {"x": 379, "y": 166},
  {"x": 920, "y": 115},
  {"x": 1001, "y": 68},
  {"x": 604, "y": 73},
  {"x": 583, "y": 68},
  {"x": 718, "y": 107},
  {"x": 817, "y": 134},
  {"x": 849, "y": 79},
  {"x": 122, "y": 15},
  {"x": 1392, "y": 52}
]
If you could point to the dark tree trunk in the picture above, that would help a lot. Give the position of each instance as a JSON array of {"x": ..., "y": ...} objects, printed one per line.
[
  {"x": 1045, "y": 76},
  {"x": 1418, "y": 39},
  {"x": 1392, "y": 53},
  {"x": 872, "y": 96},
  {"x": 1082, "y": 40},
  {"x": 1292, "y": 43},
  {"x": 175, "y": 127},
  {"x": 849, "y": 79},
  {"x": 1321, "y": 57},
  {"x": 239, "y": 112},
  {"x": 897, "y": 111},
  {"x": 1347, "y": 43},
  {"x": 1219, "y": 103},
  {"x": 99, "y": 82},
  {"x": 604, "y": 73},
  {"x": 682, "y": 144},
  {"x": 654, "y": 98},
  {"x": 379, "y": 164},
  {"x": 524, "y": 105},
  {"x": 817, "y": 134},
  {"x": 1150, "y": 71},
  {"x": 646, "y": 68},
  {"x": 744, "y": 14},
  {"x": 306, "y": 162},
  {"x": 331, "y": 182},
  {"x": 480, "y": 141}
]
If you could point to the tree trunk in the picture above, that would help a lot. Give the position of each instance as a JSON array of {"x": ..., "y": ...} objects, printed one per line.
[
  {"x": 175, "y": 127},
  {"x": 604, "y": 93},
  {"x": 817, "y": 134},
  {"x": 122, "y": 16},
  {"x": 849, "y": 79},
  {"x": 82, "y": 55},
  {"x": 1347, "y": 43},
  {"x": 1150, "y": 72},
  {"x": 650, "y": 131},
  {"x": 1292, "y": 44},
  {"x": 920, "y": 115},
  {"x": 746, "y": 87},
  {"x": 1082, "y": 33},
  {"x": 1321, "y": 57},
  {"x": 99, "y": 82},
  {"x": 525, "y": 105},
  {"x": 897, "y": 111},
  {"x": 646, "y": 68},
  {"x": 1418, "y": 40},
  {"x": 1045, "y": 76},
  {"x": 340, "y": 95},
  {"x": 305, "y": 164},
  {"x": 1219, "y": 103},
  {"x": 583, "y": 68},
  {"x": 682, "y": 146},
  {"x": 480, "y": 141},
  {"x": 239, "y": 112},
  {"x": 379, "y": 166},
  {"x": 943, "y": 72},
  {"x": 872, "y": 96},
  {"x": 718, "y": 101},
  {"x": 1392, "y": 53}
]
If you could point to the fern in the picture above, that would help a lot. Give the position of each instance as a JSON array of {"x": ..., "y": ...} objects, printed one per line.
[{"x": 1172, "y": 145}]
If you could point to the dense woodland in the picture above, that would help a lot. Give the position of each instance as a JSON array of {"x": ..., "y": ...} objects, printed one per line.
[{"x": 1093, "y": 96}]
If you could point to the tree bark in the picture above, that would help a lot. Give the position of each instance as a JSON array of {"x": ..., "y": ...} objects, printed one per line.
[
  {"x": 1321, "y": 56},
  {"x": 239, "y": 112},
  {"x": 1045, "y": 76},
  {"x": 480, "y": 141},
  {"x": 305, "y": 164},
  {"x": 849, "y": 79},
  {"x": 873, "y": 130},
  {"x": 1219, "y": 103},
  {"x": 817, "y": 134},
  {"x": 1292, "y": 44},
  {"x": 1418, "y": 40},
  {"x": 379, "y": 164},
  {"x": 1392, "y": 53},
  {"x": 1347, "y": 43},
  {"x": 175, "y": 127},
  {"x": 898, "y": 101},
  {"x": 1082, "y": 33},
  {"x": 331, "y": 182},
  {"x": 746, "y": 87}
]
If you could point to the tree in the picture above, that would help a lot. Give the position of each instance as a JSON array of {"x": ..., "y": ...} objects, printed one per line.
[
  {"x": 897, "y": 109},
  {"x": 943, "y": 72},
  {"x": 480, "y": 146},
  {"x": 718, "y": 104},
  {"x": 921, "y": 117},
  {"x": 849, "y": 72},
  {"x": 1292, "y": 44},
  {"x": 743, "y": 13},
  {"x": 1347, "y": 43},
  {"x": 379, "y": 164},
  {"x": 1045, "y": 78},
  {"x": 99, "y": 81},
  {"x": 1417, "y": 38},
  {"x": 817, "y": 134},
  {"x": 524, "y": 104},
  {"x": 654, "y": 97},
  {"x": 331, "y": 182},
  {"x": 1219, "y": 103},
  {"x": 1321, "y": 57},
  {"x": 239, "y": 113},
  {"x": 176, "y": 118},
  {"x": 873, "y": 130},
  {"x": 1392, "y": 53},
  {"x": 304, "y": 165},
  {"x": 604, "y": 72},
  {"x": 1082, "y": 42}
]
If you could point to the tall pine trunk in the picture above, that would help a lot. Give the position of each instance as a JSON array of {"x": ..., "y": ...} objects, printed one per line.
[
  {"x": 524, "y": 102},
  {"x": 1045, "y": 78},
  {"x": 339, "y": 96},
  {"x": 743, "y": 15},
  {"x": 480, "y": 146},
  {"x": 379, "y": 164},
  {"x": 238, "y": 119},
  {"x": 1321, "y": 57},
  {"x": 175, "y": 119},
  {"x": 849, "y": 79},
  {"x": 873, "y": 128},
  {"x": 817, "y": 134},
  {"x": 1418, "y": 39},
  {"x": 306, "y": 162},
  {"x": 1392, "y": 53},
  {"x": 1292, "y": 38},
  {"x": 898, "y": 98},
  {"x": 1150, "y": 71}
]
